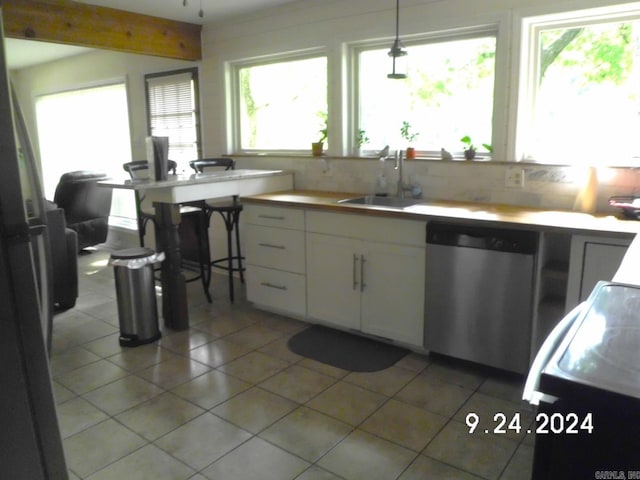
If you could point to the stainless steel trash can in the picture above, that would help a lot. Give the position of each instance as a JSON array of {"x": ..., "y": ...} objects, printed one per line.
[{"x": 135, "y": 292}]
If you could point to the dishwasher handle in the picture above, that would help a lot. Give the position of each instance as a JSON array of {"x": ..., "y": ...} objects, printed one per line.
[{"x": 483, "y": 238}]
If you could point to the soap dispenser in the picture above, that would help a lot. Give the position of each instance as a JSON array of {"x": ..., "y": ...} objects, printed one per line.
[{"x": 381, "y": 187}]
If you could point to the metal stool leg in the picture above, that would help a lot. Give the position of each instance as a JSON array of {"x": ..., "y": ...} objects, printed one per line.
[{"x": 236, "y": 225}]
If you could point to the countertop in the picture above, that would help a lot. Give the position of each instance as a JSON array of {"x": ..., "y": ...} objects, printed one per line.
[{"x": 532, "y": 218}]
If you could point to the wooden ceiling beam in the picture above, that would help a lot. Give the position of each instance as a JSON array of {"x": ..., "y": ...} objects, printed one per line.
[{"x": 86, "y": 25}]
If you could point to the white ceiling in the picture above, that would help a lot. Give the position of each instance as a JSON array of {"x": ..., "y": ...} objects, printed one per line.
[{"x": 25, "y": 53}]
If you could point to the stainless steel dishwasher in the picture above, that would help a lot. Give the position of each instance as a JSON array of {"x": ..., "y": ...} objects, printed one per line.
[{"x": 479, "y": 293}]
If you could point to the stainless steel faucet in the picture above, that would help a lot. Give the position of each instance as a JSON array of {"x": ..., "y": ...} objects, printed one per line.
[{"x": 402, "y": 186}]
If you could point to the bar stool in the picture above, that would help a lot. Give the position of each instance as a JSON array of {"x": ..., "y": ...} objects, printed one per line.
[
  {"x": 194, "y": 214},
  {"x": 230, "y": 212}
]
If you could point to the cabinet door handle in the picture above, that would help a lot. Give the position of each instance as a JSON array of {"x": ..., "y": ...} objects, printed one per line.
[
  {"x": 271, "y": 245},
  {"x": 362, "y": 284},
  {"x": 355, "y": 271},
  {"x": 272, "y": 217},
  {"x": 271, "y": 285}
]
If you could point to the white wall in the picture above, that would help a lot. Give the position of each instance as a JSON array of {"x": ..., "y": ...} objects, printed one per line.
[
  {"x": 90, "y": 69},
  {"x": 330, "y": 25}
]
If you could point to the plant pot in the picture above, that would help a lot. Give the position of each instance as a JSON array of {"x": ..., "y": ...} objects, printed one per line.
[
  {"x": 316, "y": 148},
  {"x": 469, "y": 154},
  {"x": 411, "y": 152}
]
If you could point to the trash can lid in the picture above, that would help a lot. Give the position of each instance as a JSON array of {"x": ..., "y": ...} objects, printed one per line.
[{"x": 131, "y": 253}]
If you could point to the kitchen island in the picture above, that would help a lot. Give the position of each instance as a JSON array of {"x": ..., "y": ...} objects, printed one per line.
[{"x": 167, "y": 195}]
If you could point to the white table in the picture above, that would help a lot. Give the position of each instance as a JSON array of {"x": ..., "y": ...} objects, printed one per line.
[{"x": 167, "y": 195}]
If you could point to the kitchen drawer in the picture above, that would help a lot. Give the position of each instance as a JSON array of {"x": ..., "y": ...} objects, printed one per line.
[
  {"x": 275, "y": 248},
  {"x": 276, "y": 290},
  {"x": 281, "y": 217},
  {"x": 376, "y": 229}
]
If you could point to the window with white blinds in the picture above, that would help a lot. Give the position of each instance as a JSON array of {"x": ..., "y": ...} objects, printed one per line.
[{"x": 172, "y": 106}]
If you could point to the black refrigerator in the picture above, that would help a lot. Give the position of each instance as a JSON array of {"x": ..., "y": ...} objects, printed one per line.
[{"x": 30, "y": 443}]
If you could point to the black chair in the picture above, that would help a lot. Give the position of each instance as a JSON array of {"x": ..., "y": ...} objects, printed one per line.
[
  {"x": 229, "y": 210},
  {"x": 86, "y": 205},
  {"x": 193, "y": 225}
]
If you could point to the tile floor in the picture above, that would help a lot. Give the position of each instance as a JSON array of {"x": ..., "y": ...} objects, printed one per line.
[{"x": 227, "y": 400}]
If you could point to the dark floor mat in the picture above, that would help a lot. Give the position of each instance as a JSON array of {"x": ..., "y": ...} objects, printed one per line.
[{"x": 345, "y": 350}]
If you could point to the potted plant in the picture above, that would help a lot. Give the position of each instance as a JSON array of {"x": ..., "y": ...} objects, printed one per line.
[
  {"x": 410, "y": 137},
  {"x": 316, "y": 147},
  {"x": 361, "y": 140},
  {"x": 470, "y": 148}
]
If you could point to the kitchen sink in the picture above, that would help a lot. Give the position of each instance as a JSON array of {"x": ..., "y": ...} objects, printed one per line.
[{"x": 377, "y": 201}]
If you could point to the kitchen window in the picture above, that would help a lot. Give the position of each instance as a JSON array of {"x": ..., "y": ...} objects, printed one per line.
[
  {"x": 172, "y": 108},
  {"x": 580, "y": 95},
  {"x": 280, "y": 105},
  {"x": 449, "y": 93}
]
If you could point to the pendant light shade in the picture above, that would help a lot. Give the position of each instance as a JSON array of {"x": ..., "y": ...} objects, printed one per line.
[{"x": 397, "y": 53}]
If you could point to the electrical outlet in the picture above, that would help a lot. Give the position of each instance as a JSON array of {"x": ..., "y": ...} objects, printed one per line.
[{"x": 514, "y": 177}]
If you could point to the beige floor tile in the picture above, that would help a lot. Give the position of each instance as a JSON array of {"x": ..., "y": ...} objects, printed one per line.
[
  {"x": 218, "y": 352},
  {"x": 73, "y": 476},
  {"x": 173, "y": 372},
  {"x": 98, "y": 446},
  {"x": 138, "y": 358},
  {"x": 254, "y": 409},
  {"x": 323, "y": 368},
  {"x": 202, "y": 440},
  {"x": 254, "y": 336},
  {"x": 298, "y": 383},
  {"x": 348, "y": 403},
  {"x": 159, "y": 416},
  {"x": 505, "y": 387},
  {"x": 520, "y": 465},
  {"x": 183, "y": 342},
  {"x": 70, "y": 360},
  {"x": 92, "y": 376},
  {"x": 122, "y": 394},
  {"x": 317, "y": 473},
  {"x": 494, "y": 413},
  {"x": 414, "y": 362},
  {"x": 387, "y": 382},
  {"x": 107, "y": 312},
  {"x": 434, "y": 395},
  {"x": 61, "y": 394},
  {"x": 105, "y": 346},
  {"x": 211, "y": 389},
  {"x": 459, "y": 373},
  {"x": 147, "y": 463},
  {"x": 76, "y": 415},
  {"x": 362, "y": 455},
  {"x": 225, "y": 324},
  {"x": 254, "y": 367},
  {"x": 280, "y": 349},
  {"x": 483, "y": 454},
  {"x": 256, "y": 460},
  {"x": 404, "y": 424},
  {"x": 426, "y": 468},
  {"x": 306, "y": 433},
  {"x": 283, "y": 324}
]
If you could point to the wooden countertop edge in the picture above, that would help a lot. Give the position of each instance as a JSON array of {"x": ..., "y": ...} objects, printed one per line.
[{"x": 505, "y": 215}]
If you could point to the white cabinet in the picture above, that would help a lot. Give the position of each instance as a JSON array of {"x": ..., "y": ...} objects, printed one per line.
[
  {"x": 373, "y": 284},
  {"x": 592, "y": 258},
  {"x": 275, "y": 253}
]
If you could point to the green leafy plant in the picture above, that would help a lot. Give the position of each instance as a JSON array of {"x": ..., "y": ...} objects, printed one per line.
[
  {"x": 362, "y": 138},
  {"x": 405, "y": 132},
  {"x": 324, "y": 131},
  {"x": 466, "y": 140}
]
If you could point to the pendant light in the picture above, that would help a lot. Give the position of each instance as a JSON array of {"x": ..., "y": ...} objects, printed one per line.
[
  {"x": 200, "y": 12},
  {"x": 397, "y": 53}
]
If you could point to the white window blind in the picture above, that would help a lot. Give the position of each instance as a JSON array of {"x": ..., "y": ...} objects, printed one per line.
[{"x": 173, "y": 113}]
